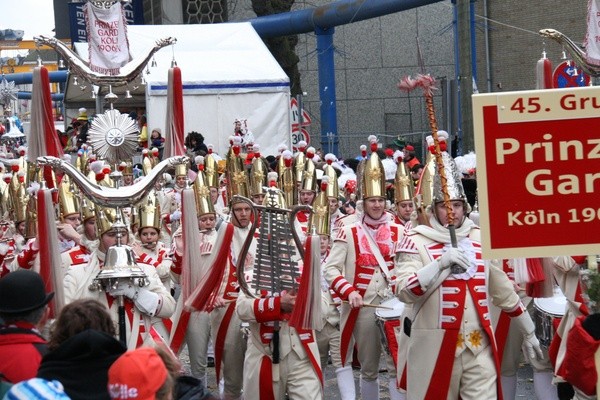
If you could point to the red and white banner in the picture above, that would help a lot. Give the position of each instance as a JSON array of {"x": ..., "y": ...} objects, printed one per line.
[
  {"x": 592, "y": 37},
  {"x": 538, "y": 171},
  {"x": 107, "y": 38}
]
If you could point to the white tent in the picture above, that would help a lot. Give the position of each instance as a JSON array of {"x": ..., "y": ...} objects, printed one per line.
[{"x": 227, "y": 73}]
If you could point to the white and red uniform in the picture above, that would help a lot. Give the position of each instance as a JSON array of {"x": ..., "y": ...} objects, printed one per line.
[
  {"x": 159, "y": 258},
  {"x": 451, "y": 351},
  {"x": 566, "y": 275},
  {"x": 78, "y": 279},
  {"x": 351, "y": 266},
  {"x": 78, "y": 254},
  {"x": 228, "y": 340},
  {"x": 298, "y": 373}
]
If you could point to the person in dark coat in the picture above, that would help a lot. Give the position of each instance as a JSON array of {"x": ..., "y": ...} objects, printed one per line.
[
  {"x": 23, "y": 308},
  {"x": 82, "y": 348}
]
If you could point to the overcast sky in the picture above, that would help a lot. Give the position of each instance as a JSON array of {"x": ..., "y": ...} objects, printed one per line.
[{"x": 35, "y": 17}]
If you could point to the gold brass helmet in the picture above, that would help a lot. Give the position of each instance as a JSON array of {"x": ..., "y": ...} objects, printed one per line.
[
  {"x": 68, "y": 198},
  {"x": 105, "y": 218},
  {"x": 147, "y": 163},
  {"x": 320, "y": 220},
  {"x": 309, "y": 176},
  {"x": 286, "y": 180},
  {"x": 424, "y": 192},
  {"x": 258, "y": 176},
  {"x": 332, "y": 188},
  {"x": 87, "y": 209},
  {"x": 211, "y": 170},
  {"x": 181, "y": 170},
  {"x": 403, "y": 184},
  {"x": 19, "y": 199},
  {"x": 274, "y": 197},
  {"x": 148, "y": 213},
  {"x": 237, "y": 178},
  {"x": 204, "y": 204},
  {"x": 299, "y": 164},
  {"x": 373, "y": 178}
]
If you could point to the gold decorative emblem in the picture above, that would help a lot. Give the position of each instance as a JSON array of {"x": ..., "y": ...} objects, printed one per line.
[
  {"x": 403, "y": 181},
  {"x": 203, "y": 191},
  {"x": 239, "y": 177},
  {"x": 375, "y": 173},
  {"x": 460, "y": 341},
  {"x": 259, "y": 176},
  {"x": 475, "y": 338},
  {"x": 321, "y": 211}
]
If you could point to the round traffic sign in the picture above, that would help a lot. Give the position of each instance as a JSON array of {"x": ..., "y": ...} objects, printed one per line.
[{"x": 566, "y": 74}]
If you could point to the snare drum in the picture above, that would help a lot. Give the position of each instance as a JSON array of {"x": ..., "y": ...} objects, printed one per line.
[
  {"x": 387, "y": 321},
  {"x": 545, "y": 312}
]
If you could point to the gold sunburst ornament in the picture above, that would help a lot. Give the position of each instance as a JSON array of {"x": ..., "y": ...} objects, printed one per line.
[{"x": 113, "y": 136}]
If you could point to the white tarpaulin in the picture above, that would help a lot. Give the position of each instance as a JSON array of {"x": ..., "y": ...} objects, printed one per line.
[{"x": 227, "y": 73}]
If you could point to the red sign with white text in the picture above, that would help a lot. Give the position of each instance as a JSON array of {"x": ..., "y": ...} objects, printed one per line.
[{"x": 538, "y": 172}]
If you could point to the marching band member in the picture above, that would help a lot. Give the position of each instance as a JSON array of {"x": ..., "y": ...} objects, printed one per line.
[
  {"x": 333, "y": 194},
  {"x": 141, "y": 303},
  {"x": 510, "y": 340},
  {"x": 149, "y": 249},
  {"x": 566, "y": 274},
  {"x": 328, "y": 338},
  {"x": 452, "y": 351},
  {"x": 360, "y": 270},
  {"x": 88, "y": 241},
  {"x": 291, "y": 369},
  {"x": 403, "y": 197},
  {"x": 219, "y": 287},
  {"x": 171, "y": 206},
  {"x": 197, "y": 333}
]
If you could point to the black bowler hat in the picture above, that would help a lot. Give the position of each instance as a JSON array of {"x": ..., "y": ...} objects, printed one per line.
[{"x": 22, "y": 291}]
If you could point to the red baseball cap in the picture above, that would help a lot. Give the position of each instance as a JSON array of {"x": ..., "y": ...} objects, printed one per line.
[{"x": 137, "y": 374}]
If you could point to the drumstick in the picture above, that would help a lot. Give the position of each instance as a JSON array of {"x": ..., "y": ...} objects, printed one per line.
[{"x": 366, "y": 305}]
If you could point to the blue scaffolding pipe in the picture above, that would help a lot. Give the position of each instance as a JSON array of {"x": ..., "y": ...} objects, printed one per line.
[
  {"x": 27, "y": 96},
  {"x": 329, "y": 137},
  {"x": 322, "y": 21},
  {"x": 26, "y": 78},
  {"x": 330, "y": 15}
]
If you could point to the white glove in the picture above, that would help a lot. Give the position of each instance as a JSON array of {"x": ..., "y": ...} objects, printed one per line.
[
  {"x": 531, "y": 344},
  {"x": 145, "y": 300},
  {"x": 126, "y": 289},
  {"x": 453, "y": 256},
  {"x": 176, "y": 216},
  {"x": 4, "y": 247}
]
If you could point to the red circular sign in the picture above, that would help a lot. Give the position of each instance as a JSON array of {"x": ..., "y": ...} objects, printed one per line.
[{"x": 567, "y": 74}]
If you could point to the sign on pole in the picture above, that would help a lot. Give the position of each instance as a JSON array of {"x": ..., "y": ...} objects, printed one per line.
[
  {"x": 538, "y": 172},
  {"x": 299, "y": 132}
]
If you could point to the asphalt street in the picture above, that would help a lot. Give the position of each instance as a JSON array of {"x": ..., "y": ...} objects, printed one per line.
[{"x": 524, "y": 382}]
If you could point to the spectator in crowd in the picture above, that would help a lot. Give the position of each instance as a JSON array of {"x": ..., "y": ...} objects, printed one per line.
[
  {"x": 157, "y": 141},
  {"x": 23, "y": 309},
  {"x": 140, "y": 374},
  {"x": 82, "y": 135},
  {"x": 143, "y": 127},
  {"x": 194, "y": 142},
  {"x": 410, "y": 156},
  {"x": 37, "y": 389},
  {"x": 82, "y": 348}
]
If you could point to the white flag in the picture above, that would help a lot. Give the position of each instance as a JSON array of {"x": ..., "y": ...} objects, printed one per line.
[
  {"x": 592, "y": 37},
  {"x": 107, "y": 38}
]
